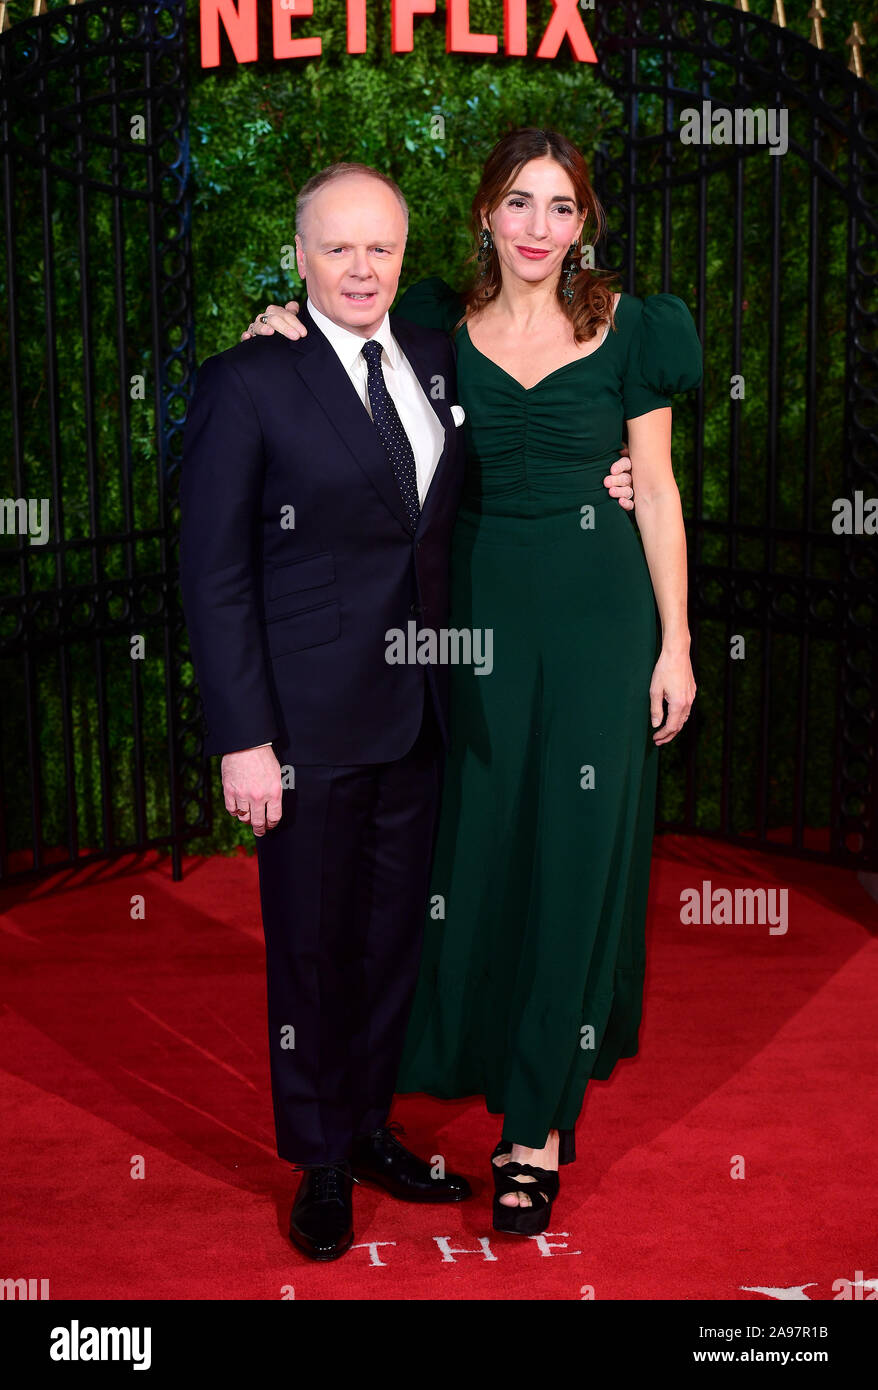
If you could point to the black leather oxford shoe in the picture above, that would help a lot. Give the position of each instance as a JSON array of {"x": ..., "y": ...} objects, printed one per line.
[
  {"x": 380, "y": 1158},
  {"x": 322, "y": 1218}
]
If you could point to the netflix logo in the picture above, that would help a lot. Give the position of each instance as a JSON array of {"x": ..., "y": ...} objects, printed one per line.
[{"x": 239, "y": 20}]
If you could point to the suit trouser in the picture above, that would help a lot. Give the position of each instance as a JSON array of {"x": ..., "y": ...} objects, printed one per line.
[{"x": 343, "y": 881}]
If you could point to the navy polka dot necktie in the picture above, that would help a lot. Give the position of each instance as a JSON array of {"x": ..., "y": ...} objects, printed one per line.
[{"x": 390, "y": 431}]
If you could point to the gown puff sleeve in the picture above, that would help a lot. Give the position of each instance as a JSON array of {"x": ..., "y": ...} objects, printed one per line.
[
  {"x": 431, "y": 303},
  {"x": 665, "y": 355}
]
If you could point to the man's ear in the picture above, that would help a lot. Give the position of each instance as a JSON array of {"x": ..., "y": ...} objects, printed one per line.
[{"x": 301, "y": 260}]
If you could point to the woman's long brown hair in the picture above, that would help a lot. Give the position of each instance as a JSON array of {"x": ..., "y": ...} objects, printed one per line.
[{"x": 592, "y": 304}]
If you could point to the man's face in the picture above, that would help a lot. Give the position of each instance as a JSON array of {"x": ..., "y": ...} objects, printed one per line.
[{"x": 350, "y": 251}]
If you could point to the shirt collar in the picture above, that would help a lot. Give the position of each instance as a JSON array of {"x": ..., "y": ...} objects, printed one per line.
[{"x": 349, "y": 346}]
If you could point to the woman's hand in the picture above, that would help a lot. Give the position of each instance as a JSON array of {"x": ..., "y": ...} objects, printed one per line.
[
  {"x": 281, "y": 320},
  {"x": 672, "y": 680}
]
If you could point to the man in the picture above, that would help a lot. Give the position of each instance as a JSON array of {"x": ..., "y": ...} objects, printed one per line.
[{"x": 320, "y": 483}]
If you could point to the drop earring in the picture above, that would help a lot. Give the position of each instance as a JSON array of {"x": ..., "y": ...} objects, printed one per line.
[
  {"x": 570, "y": 272},
  {"x": 486, "y": 250}
]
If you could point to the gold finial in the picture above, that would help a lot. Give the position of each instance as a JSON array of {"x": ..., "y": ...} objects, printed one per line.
[
  {"x": 778, "y": 14},
  {"x": 4, "y": 17},
  {"x": 817, "y": 14},
  {"x": 856, "y": 42}
]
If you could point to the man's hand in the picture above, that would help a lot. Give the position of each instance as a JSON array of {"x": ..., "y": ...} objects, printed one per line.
[
  {"x": 619, "y": 480},
  {"x": 285, "y": 321},
  {"x": 251, "y": 787}
]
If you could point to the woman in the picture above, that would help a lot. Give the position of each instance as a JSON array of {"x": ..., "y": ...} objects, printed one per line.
[{"x": 531, "y": 979}]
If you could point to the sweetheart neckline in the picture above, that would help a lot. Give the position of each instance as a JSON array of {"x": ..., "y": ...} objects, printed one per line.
[{"x": 563, "y": 368}]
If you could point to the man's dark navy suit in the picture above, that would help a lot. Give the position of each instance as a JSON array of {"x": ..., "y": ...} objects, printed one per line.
[{"x": 296, "y": 558}]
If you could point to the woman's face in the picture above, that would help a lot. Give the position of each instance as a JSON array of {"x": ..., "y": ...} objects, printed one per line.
[{"x": 536, "y": 222}]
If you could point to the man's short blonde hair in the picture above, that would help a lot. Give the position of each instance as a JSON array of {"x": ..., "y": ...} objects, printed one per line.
[{"x": 339, "y": 171}]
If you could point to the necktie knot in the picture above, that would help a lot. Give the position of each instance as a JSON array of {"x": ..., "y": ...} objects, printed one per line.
[{"x": 372, "y": 352}]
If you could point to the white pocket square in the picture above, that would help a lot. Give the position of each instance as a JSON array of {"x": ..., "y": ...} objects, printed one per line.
[{"x": 458, "y": 414}]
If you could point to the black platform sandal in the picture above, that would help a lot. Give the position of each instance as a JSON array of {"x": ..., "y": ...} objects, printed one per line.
[
  {"x": 504, "y": 1147},
  {"x": 566, "y": 1152},
  {"x": 519, "y": 1220},
  {"x": 566, "y": 1146}
]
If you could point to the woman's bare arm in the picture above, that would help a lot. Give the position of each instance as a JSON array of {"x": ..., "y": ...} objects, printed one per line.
[{"x": 660, "y": 520}]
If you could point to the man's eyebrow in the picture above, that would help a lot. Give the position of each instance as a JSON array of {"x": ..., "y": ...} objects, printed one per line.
[{"x": 379, "y": 241}]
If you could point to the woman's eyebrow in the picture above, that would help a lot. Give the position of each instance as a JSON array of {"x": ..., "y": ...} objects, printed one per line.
[{"x": 558, "y": 198}]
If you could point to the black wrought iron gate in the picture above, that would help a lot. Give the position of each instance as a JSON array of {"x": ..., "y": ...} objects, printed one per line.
[
  {"x": 99, "y": 356},
  {"x": 783, "y": 751}
]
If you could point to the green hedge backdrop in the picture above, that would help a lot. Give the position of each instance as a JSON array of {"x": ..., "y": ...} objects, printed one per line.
[{"x": 257, "y": 132}]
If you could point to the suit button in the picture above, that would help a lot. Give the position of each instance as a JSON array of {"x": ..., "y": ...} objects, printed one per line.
[{"x": 415, "y": 610}]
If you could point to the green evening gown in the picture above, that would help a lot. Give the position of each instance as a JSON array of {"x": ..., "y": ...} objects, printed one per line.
[{"x": 531, "y": 979}]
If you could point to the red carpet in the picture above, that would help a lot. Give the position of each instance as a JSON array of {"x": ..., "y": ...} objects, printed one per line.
[{"x": 129, "y": 1041}]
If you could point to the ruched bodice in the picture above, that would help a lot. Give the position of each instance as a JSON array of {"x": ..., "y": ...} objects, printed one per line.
[{"x": 534, "y": 451}]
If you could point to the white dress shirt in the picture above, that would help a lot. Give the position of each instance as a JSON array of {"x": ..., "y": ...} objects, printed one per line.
[{"x": 419, "y": 419}]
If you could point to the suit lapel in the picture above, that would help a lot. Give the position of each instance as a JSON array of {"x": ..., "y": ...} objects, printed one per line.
[{"x": 318, "y": 366}]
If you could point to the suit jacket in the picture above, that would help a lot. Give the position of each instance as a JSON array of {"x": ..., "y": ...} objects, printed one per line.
[{"x": 297, "y": 555}]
